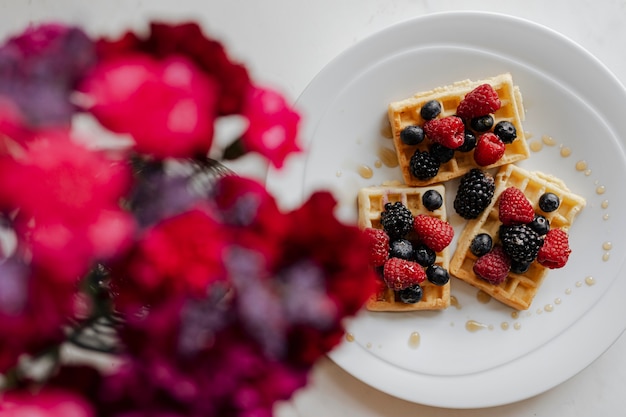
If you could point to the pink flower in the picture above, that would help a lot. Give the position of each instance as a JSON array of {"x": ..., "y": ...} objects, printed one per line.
[
  {"x": 167, "y": 106},
  {"x": 273, "y": 126},
  {"x": 46, "y": 403}
]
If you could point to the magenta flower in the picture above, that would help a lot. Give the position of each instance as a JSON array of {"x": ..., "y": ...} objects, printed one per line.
[
  {"x": 167, "y": 106},
  {"x": 46, "y": 403},
  {"x": 272, "y": 126}
]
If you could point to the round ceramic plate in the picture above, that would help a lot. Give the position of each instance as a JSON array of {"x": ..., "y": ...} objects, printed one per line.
[{"x": 478, "y": 352}]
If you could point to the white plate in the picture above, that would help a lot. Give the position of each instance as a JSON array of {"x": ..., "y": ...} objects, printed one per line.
[{"x": 570, "y": 97}]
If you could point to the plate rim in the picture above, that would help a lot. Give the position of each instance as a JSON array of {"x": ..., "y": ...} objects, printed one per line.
[{"x": 351, "y": 359}]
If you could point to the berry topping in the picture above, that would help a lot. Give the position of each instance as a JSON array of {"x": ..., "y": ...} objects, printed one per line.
[
  {"x": 482, "y": 123},
  {"x": 423, "y": 165},
  {"x": 412, "y": 135},
  {"x": 441, "y": 153},
  {"x": 401, "y": 248},
  {"x": 489, "y": 149},
  {"x": 520, "y": 267},
  {"x": 430, "y": 110},
  {"x": 412, "y": 294},
  {"x": 396, "y": 220},
  {"x": 555, "y": 250},
  {"x": 432, "y": 200},
  {"x": 437, "y": 275},
  {"x": 540, "y": 224},
  {"x": 520, "y": 242},
  {"x": 479, "y": 102},
  {"x": 469, "y": 143},
  {"x": 433, "y": 232},
  {"x": 481, "y": 244},
  {"x": 506, "y": 131},
  {"x": 378, "y": 246},
  {"x": 447, "y": 131},
  {"x": 474, "y": 194},
  {"x": 549, "y": 202},
  {"x": 399, "y": 274},
  {"x": 514, "y": 207},
  {"x": 424, "y": 255},
  {"x": 494, "y": 266}
]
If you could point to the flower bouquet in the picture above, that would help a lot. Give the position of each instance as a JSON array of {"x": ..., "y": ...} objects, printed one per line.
[{"x": 127, "y": 240}]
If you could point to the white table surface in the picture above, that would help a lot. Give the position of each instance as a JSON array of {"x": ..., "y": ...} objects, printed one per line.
[{"x": 285, "y": 43}]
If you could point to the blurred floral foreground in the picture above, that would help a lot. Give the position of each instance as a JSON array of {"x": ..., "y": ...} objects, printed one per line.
[{"x": 209, "y": 299}]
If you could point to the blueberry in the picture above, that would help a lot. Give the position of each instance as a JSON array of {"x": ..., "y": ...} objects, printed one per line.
[
  {"x": 519, "y": 267},
  {"x": 424, "y": 255},
  {"x": 411, "y": 295},
  {"x": 430, "y": 110},
  {"x": 481, "y": 244},
  {"x": 540, "y": 225},
  {"x": 432, "y": 200},
  {"x": 482, "y": 123},
  {"x": 549, "y": 202},
  {"x": 412, "y": 135},
  {"x": 437, "y": 275},
  {"x": 469, "y": 143},
  {"x": 506, "y": 131},
  {"x": 441, "y": 153},
  {"x": 401, "y": 248}
]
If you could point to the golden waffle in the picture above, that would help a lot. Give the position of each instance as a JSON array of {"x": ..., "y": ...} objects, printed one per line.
[
  {"x": 371, "y": 203},
  {"x": 517, "y": 291},
  {"x": 407, "y": 112}
]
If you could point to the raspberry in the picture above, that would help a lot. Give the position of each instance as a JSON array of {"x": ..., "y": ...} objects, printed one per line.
[
  {"x": 400, "y": 274},
  {"x": 433, "y": 232},
  {"x": 494, "y": 266},
  {"x": 479, "y": 102},
  {"x": 520, "y": 242},
  {"x": 396, "y": 220},
  {"x": 378, "y": 246},
  {"x": 514, "y": 207},
  {"x": 489, "y": 149},
  {"x": 447, "y": 131},
  {"x": 474, "y": 194},
  {"x": 555, "y": 250}
]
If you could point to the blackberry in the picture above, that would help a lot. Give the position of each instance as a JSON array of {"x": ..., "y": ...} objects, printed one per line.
[
  {"x": 520, "y": 242},
  {"x": 396, "y": 220},
  {"x": 437, "y": 275},
  {"x": 482, "y": 123},
  {"x": 412, "y": 135},
  {"x": 474, "y": 194},
  {"x": 469, "y": 143},
  {"x": 401, "y": 248},
  {"x": 506, "y": 131},
  {"x": 430, "y": 110},
  {"x": 441, "y": 153},
  {"x": 424, "y": 255},
  {"x": 481, "y": 244},
  {"x": 423, "y": 165},
  {"x": 540, "y": 224},
  {"x": 549, "y": 202},
  {"x": 412, "y": 294},
  {"x": 432, "y": 200}
]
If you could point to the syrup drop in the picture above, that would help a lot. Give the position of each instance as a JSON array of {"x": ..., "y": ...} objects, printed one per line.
[
  {"x": 414, "y": 340},
  {"x": 365, "y": 171}
]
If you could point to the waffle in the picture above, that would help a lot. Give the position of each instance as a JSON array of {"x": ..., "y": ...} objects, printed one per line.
[
  {"x": 407, "y": 112},
  {"x": 517, "y": 291},
  {"x": 371, "y": 202}
]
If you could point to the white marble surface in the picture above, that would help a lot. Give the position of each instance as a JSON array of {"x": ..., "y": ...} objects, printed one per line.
[{"x": 286, "y": 43}]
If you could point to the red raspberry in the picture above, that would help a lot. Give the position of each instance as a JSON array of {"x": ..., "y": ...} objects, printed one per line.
[
  {"x": 433, "y": 232},
  {"x": 400, "y": 274},
  {"x": 378, "y": 246},
  {"x": 481, "y": 101},
  {"x": 489, "y": 149},
  {"x": 446, "y": 131},
  {"x": 555, "y": 250},
  {"x": 494, "y": 266},
  {"x": 514, "y": 207}
]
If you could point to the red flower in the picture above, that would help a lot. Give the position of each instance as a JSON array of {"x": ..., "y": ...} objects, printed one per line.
[
  {"x": 167, "y": 106},
  {"x": 273, "y": 126},
  {"x": 45, "y": 403}
]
